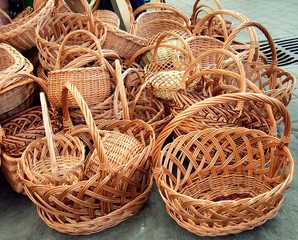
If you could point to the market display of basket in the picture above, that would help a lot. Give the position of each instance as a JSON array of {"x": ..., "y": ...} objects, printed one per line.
[{"x": 188, "y": 102}]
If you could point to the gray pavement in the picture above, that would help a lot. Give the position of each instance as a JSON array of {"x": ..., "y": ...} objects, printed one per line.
[{"x": 19, "y": 219}]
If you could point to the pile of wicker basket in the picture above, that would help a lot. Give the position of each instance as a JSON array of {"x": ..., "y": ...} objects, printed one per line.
[{"x": 100, "y": 112}]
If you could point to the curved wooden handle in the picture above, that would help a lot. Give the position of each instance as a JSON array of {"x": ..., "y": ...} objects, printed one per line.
[
  {"x": 242, "y": 18},
  {"x": 48, "y": 132},
  {"x": 163, "y": 6},
  {"x": 225, "y": 98},
  {"x": 4, "y": 14},
  {"x": 255, "y": 44},
  {"x": 98, "y": 53},
  {"x": 94, "y": 131}
]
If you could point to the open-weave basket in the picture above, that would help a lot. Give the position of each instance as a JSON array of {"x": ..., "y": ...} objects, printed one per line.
[
  {"x": 157, "y": 11},
  {"x": 111, "y": 190},
  {"x": 51, "y": 31},
  {"x": 269, "y": 78},
  {"x": 220, "y": 181},
  {"x": 92, "y": 81},
  {"x": 54, "y": 160},
  {"x": 19, "y": 131},
  {"x": 217, "y": 80},
  {"x": 250, "y": 52},
  {"x": 20, "y": 32}
]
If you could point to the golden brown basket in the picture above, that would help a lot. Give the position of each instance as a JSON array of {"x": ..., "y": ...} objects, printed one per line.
[
  {"x": 51, "y": 31},
  {"x": 248, "y": 52},
  {"x": 216, "y": 80},
  {"x": 14, "y": 82},
  {"x": 270, "y": 79},
  {"x": 153, "y": 11},
  {"x": 221, "y": 181},
  {"x": 116, "y": 184},
  {"x": 54, "y": 160},
  {"x": 93, "y": 81},
  {"x": 18, "y": 132},
  {"x": 107, "y": 17},
  {"x": 20, "y": 32},
  {"x": 200, "y": 9}
]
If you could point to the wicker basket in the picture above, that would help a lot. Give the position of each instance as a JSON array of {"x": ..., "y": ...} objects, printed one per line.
[
  {"x": 223, "y": 181},
  {"x": 51, "y": 31},
  {"x": 217, "y": 80},
  {"x": 114, "y": 187},
  {"x": 20, "y": 33},
  {"x": 271, "y": 80},
  {"x": 248, "y": 51},
  {"x": 19, "y": 131},
  {"x": 54, "y": 160},
  {"x": 108, "y": 17},
  {"x": 157, "y": 11},
  {"x": 14, "y": 82},
  {"x": 93, "y": 81}
]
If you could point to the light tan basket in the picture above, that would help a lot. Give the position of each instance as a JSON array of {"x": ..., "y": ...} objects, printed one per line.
[
  {"x": 93, "y": 81},
  {"x": 51, "y": 31},
  {"x": 20, "y": 32},
  {"x": 221, "y": 181},
  {"x": 18, "y": 132}
]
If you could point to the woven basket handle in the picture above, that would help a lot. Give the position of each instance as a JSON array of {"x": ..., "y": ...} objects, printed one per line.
[
  {"x": 191, "y": 67},
  {"x": 98, "y": 53},
  {"x": 120, "y": 91},
  {"x": 49, "y": 133},
  {"x": 163, "y": 6},
  {"x": 94, "y": 131},
  {"x": 4, "y": 14},
  {"x": 200, "y": 7},
  {"x": 225, "y": 98},
  {"x": 253, "y": 52},
  {"x": 83, "y": 7},
  {"x": 30, "y": 78},
  {"x": 253, "y": 44}
]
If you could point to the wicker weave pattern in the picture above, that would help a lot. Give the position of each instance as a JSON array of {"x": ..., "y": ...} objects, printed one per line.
[
  {"x": 222, "y": 181},
  {"x": 20, "y": 33}
]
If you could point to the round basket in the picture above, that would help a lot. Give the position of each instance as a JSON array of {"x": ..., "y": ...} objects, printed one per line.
[
  {"x": 270, "y": 79},
  {"x": 53, "y": 160},
  {"x": 116, "y": 183},
  {"x": 157, "y": 11},
  {"x": 20, "y": 32},
  {"x": 18, "y": 132},
  {"x": 223, "y": 181},
  {"x": 92, "y": 81}
]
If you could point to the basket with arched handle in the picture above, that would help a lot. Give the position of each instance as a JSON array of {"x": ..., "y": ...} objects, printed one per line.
[{"x": 221, "y": 181}]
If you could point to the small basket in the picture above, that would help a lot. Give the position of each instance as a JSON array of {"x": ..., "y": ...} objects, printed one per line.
[
  {"x": 18, "y": 132},
  {"x": 51, "y": 31},
  {"x": 54, "y": 160},
  {"x": 115, "y": 185},
  {"x": 108, "y": 17},
  {"x": 157, "y": 11},
  {"x": 20, "y": 32},
  {"x": 92, "y": 81},
  {"x": 223, "y": 181},
  {"x": 270, "y": 79}
]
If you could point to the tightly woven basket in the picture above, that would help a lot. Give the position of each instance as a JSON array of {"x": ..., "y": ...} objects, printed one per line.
[
  {"x": 51, "y": 31},
  {"x": 14, "y": 82},
  {"x": 19, "y": 131},
  {"x": 223, "y": 181},
  {"x": 112, "y": 187},
  {"x": 92, "y": 81},
  {"x": 20, "y": 32}
]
